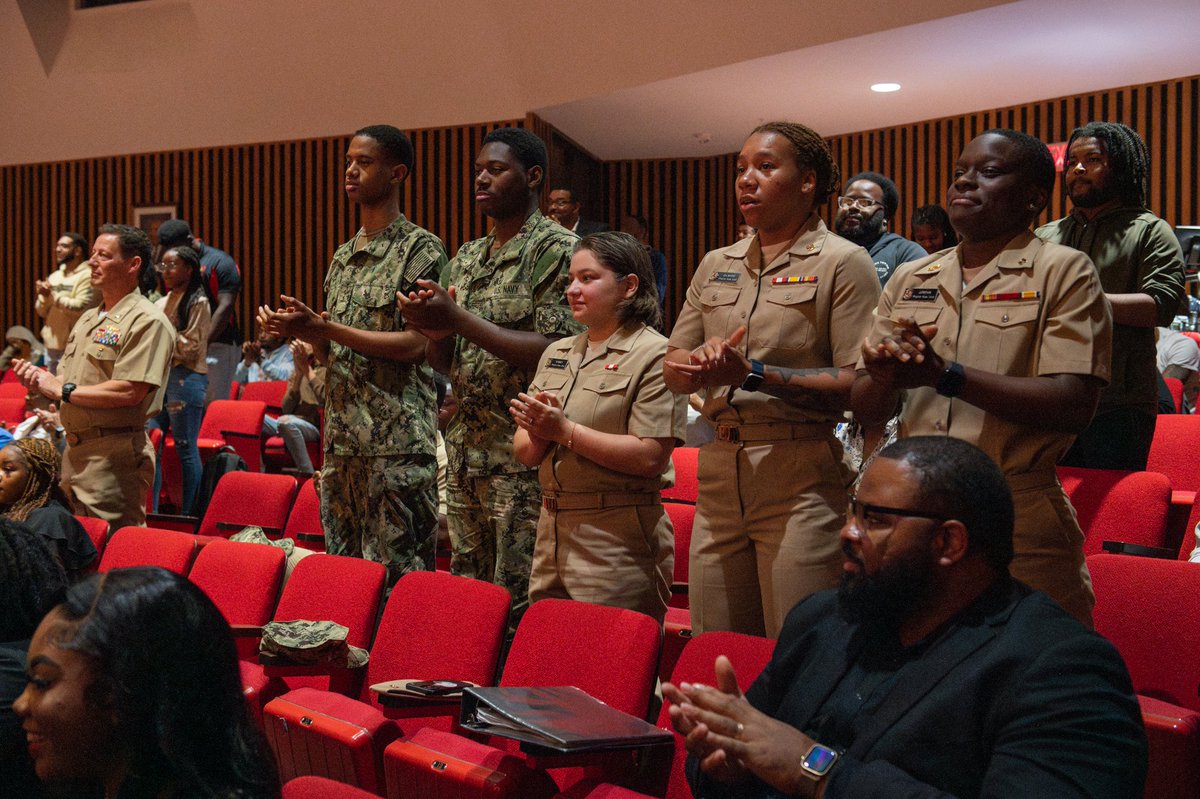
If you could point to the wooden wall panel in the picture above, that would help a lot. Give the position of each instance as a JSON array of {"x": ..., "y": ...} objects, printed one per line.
[{"x": 278, "y": 208}]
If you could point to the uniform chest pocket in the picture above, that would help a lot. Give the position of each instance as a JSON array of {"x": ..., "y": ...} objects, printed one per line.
[
  {"x": 787, "y": 320},
  {"x": 102, "y": 359},
  {"x": 552, "y": 382},
  {"x": 373, "y": 307},
  {"x": 1006, "y": 335},
  {"x": 506, "y": 308},
  {"x": 718, "y": 305},
  {"x": 602, "y": 399},
  {"x": 923, "y": 314}
]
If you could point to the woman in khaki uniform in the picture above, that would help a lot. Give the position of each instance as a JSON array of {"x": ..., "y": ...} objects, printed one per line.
[
  {"x": 601, "y": 425},
  {"x": 769, "y": 336}
]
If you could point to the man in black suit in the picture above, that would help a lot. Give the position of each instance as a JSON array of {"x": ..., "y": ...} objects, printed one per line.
[
  {"x": 930, "y": 672},
  {"x": 564, "y": 208}
]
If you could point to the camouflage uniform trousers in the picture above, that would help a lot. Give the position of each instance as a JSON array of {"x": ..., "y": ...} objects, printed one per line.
[
  {"x": 381, "y": 508},
  {"x": 493, "y": 527}
]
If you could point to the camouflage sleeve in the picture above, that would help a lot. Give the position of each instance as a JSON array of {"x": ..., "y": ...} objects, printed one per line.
[{"x": 551, "y": 314}]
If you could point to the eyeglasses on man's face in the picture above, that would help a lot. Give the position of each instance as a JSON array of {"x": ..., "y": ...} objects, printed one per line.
[
  {"x": 862, "y": 203},
  {"x": 867, "y": 517}
]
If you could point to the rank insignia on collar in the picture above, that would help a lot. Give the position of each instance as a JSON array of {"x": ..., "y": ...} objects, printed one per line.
[
  {"x": 556, "y": 363},
  {"x": 108, "y": 336},
  {"x": 1009, "y": 296},
  {"x": 787, "y": 281},
  {"x": 930, "y": 270}
]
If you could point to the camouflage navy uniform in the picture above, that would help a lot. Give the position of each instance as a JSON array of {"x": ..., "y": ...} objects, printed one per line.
[
  {"x": 493, "y": 501},
  {"x": 378, "y": 484}
]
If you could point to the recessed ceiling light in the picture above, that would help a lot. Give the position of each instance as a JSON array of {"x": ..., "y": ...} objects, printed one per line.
[{"x": 885, "y": 87}]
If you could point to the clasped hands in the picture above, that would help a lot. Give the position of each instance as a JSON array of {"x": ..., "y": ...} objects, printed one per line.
[
  {"x": 541, "y": 416},
  {"x": 906, "y": 358},
  {"x": 716, "y": 362},
  {"x": 38, "y": 379},
  {"x": 732, "y": 739},
  {"x": 430, "y": 310},
  {"x": 293, "y": 319}
]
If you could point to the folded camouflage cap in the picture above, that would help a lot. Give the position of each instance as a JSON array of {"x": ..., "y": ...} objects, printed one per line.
[{"x": 305, "y": 642}]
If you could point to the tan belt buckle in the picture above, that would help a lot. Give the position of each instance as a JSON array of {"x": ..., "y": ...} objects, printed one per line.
[
  {"x": 73, "y": 439},
  {"x": 727, "y": 433}
]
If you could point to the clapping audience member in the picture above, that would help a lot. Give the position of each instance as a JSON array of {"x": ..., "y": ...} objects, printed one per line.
[
  {"x": 265, "y": 358},
  {"x": 186, "y": 305},
  {"x": 134, "y": 689},
  {"x": 600, "y": 424},
  {"x": 30, "y": 469},
  {"x": 302, "y": 403},
  {"x": 20, "y": 343},
  {"x": 31, "y": 582}
]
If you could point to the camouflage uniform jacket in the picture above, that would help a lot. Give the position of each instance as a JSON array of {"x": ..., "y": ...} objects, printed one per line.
[
  {"x": 375, "y": 406},
  {"x": 521, "y": 287}
]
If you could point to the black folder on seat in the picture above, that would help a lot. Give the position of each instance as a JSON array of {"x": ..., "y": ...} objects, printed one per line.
[{"x": 560, "y": 718}]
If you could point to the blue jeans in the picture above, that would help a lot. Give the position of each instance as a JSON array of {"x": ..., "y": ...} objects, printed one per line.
[
  {"x": 182, "y": 412},
  {"x": 294, "y": 431}
]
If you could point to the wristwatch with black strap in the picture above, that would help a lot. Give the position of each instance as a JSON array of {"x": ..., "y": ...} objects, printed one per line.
[{"x": 755, "y": 378}]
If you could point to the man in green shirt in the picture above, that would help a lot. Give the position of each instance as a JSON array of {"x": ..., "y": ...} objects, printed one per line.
[
  {"x": 379, "y": 483},
  {"x": 1141, "y": 270},
  {"x": 500, "y": 303}
]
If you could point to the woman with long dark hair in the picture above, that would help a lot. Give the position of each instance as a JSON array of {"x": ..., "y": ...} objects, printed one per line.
[
  {"x": 186, "y": 305},
  {"x": 134, "y": 689}
]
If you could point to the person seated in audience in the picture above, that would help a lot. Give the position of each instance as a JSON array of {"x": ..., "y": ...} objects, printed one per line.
[
  {"x": 931, "y": 228},
  {"x": 1004, "y": 341},
  {"x": 134, "y": 689},
  {"x": 30, "y": 469},
  {"x": 600, "y": 424},
  {"x": 186, "y": 305},
  {"x": 31, "y": 582},
  {"x": 302, "y": 403},
  {"x": 1179, "y": 357},
  {"x": 930, "y": 671},
  {"x": 23, "y": 344},
  {"x": 264, "y": 359}
]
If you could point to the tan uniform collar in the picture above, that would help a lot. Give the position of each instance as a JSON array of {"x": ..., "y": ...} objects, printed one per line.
[
  {"x": 620, "y": 341},
  {"x": 121, "y": 309},
  {"x": 809, "y": 242},
  {"x": 1020, "y": 253}
]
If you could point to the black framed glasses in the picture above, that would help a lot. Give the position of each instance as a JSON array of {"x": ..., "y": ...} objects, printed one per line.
[{"x": 858, "y": 512}]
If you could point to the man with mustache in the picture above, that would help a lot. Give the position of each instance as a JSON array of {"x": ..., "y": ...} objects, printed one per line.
[
  {"x": 865, "y": 211},
  {"x": 1106, "y": 173},
  {"x": 930, "y": 672}
]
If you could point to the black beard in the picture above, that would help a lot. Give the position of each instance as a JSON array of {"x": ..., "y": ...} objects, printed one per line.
[
  {"x": 1092, "y": 198},
  {"x": 888, "y": 598},
  {"x": 868, "y": 232}
]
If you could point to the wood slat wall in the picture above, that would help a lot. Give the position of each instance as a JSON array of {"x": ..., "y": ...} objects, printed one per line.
[{"x": 278, "y": 208}]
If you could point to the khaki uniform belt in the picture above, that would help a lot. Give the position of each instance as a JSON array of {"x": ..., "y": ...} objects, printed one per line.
[
  {"x": 553, "y": 502},
  {"x": 89, "y": 433},
  {"x": 771, "y": 431},
  {"x": 1030, "y": 480}
]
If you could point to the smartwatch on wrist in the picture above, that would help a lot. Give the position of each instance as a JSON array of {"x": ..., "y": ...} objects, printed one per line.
[
  {"x": 819, "y": 760},
  {"x": 755, "y": 378},
  {"x": 66, "y": 391},
  {"x": 951, "y": 383}
]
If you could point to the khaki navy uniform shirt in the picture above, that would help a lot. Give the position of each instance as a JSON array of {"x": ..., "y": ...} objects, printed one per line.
[
  {"x": 810, "y": 308},
  {"x": 620, "y": 390},
  {"x": 521, "y": 287},
  {"x": 375, "y": 406},
  {"x": 1036, "y": 309},
  {"x": 133, "y": 341},
  {"x": 71, "y": 294},
  {"x": 1134, "y": 252}
]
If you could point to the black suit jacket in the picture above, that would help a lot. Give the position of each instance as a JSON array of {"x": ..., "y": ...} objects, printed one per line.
[
  {"x": 586, "y": 227},
  {"x": 1014, "y": 699}
]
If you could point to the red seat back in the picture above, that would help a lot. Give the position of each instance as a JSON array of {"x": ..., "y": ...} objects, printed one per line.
[
  {"x": 417, "y": 640},
  {"x": 13, "y": 391},
  {"x": 687, "y": 484},
  {"x": 1173, "y": 450},
  {"x": 683, "y": 517},
  {"x": 611, "y": 653},
  {"x": 321, "y": 788},
  {"x": 1112, "y": 505},
  {"x": 1175, "y": 386},
  {"x": 242, "y": 499},
  {"x": 149, "y": 546},
  {"x": 241, "y": 579},
  {"x": 304, "y": 521},
  {"x": 12, "y": 410},
  {"x": 97, "y": 530},
  {"x": 1150, "y": 609},
  {"x": 237, "y": 423},
  {"x": 267, "y": 391}
]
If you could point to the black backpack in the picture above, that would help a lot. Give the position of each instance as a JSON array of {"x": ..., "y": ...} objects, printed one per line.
[{"x": 224, "y": 461}]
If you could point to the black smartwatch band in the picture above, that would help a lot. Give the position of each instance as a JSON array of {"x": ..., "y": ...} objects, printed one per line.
[
  {"x": 951, "y": 383},
  {"x": 755, "y": 378},
  {"x": 67, "y": 390}
]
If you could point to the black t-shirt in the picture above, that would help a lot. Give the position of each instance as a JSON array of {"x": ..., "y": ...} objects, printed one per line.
[{"x": 221, "y": 276}]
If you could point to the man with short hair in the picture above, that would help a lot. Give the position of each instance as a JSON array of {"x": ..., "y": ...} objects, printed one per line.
[
  {"x": 565, "y": 208},
  {"x": 1106, "y": 172},
  {"x": 865, "y": 211},
  {"x": 64, "y": 295},
  {"x": 1178, "y": 356},
  {"x": 378, "y": 485},
  {"x": 635, "y": 224},
  {"x": 265, "y": 358},
  {"x": 223, "y": 283},
  {"x": 110, "y": 380},
  {"x": 930, "y": 671},
  {"x": 501, "y": 301}
]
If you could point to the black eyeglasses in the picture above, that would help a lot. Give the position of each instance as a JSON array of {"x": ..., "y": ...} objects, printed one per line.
[{"x": 858, "y": 511}]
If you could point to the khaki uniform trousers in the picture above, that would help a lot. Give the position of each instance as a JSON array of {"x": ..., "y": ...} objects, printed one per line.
[
  {"x": 109, "y": 476},
  {"x": 768, "y": 517},
  {"x": 1048, "y": 544},
  {"x": 607, "y": 549}
]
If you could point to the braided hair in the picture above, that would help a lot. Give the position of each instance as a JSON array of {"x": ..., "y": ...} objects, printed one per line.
[
  {"x": 1128, "y": 159},
  {"x": 194, "y": 290},
  {"x": 44, "y": 465},
  {"x": 811, "y": 153}
]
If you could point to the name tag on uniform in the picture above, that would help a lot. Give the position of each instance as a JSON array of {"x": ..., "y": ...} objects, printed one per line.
[
  {"x": 1009, "y": 296},
  {"x": 108, "y": 336},
  {"x": 920, "y": 295},
  {"x": 788, "y": 281},
  {"x": 556, "y": 363},
  {"x": 726, "y": 277}
]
